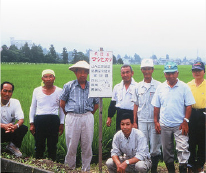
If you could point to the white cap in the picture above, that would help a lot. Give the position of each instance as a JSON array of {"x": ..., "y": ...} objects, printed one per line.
[{"x": 147, "y": 63}]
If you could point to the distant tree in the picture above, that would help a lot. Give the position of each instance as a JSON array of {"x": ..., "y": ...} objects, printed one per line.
[
  {"x": 118, "y": 56},
  {"x": 37, "y": 54},
  {"x": 52, "y": 55},
  {"x": 26, "y": 52},
  {"x": 75, "y": 57},
  {"x": 137, "y": 58},
  {"x": 114, "y": 60},
  {"x": 120, "y": 61},
  {"x": 153, "y": 57},
  {"x": 65, "y": 55},
  {"x": 126, "y": 57},
  {"x": 14, "y": 54},
  {"x": 88, "y": 52},
  {"x": 79, "y": 56},
  {"x": 4, "y": 53}
]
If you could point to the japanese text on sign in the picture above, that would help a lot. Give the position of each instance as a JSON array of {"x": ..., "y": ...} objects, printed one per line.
[{"x": 100, "y": 74}]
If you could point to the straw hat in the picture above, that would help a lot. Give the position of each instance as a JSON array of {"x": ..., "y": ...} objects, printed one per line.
[{"x": 79, "y": 64}]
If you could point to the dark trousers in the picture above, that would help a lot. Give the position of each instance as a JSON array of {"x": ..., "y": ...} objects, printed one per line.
[
  {"x": 46, "y": 128},
  {"x": 120, "y": 112},
  {"x": 197, "y": 138},
  {"x": 16, "y": 137}
]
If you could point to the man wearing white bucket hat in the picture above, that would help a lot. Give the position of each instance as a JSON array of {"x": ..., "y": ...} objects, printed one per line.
[
  {"x": 79, "y": 121},
  {"x": 144, "y": 111}
]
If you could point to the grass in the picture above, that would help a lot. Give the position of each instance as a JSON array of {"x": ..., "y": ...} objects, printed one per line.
[{"x": 26, "y": 77}]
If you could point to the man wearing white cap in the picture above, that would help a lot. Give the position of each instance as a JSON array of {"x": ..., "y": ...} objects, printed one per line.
[
  {"x": 144, "y": 111},
  {"x": 46, "y": 124},
  {"x": 79, "y": 121}
]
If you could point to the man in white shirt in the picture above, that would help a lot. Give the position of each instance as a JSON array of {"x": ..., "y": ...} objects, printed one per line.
[
  {"x": 12, "y": 119},
  {"x": 122, "y": 96},
  {"x": 130, "y": 151},
  {"x": 46, "y": 116}
]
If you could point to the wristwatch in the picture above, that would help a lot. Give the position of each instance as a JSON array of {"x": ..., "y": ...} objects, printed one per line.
[
  {"x": 186, "y": 120},
  {"x": 127, "y": 162}
]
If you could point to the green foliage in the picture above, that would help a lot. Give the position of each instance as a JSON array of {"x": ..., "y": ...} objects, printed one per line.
[{"x": 26, "y": 77}]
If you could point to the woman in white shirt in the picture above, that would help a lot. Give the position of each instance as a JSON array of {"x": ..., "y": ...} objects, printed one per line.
[{"x": 45, "y": 124}]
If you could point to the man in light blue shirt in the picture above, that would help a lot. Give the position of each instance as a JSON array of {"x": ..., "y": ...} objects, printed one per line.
[
  {"x": 144, "y": 111},
  {"x": 172, "y": 103},
  {"x": 130, "y": 151}
]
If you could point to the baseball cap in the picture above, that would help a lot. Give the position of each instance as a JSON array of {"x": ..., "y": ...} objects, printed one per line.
[
  {"x": 170, "y": 67},
  {"x": 198, "y": 65},
  {"x": 147, "y": 63}
]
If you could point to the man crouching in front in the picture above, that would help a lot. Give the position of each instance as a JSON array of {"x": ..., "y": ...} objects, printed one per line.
[{"x": 130, "y": 152}]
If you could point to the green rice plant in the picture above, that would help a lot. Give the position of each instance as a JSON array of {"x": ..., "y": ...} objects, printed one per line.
[{"x": 26, "y": 77}]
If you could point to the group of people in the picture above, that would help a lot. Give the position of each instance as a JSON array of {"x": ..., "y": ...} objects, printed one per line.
[
  {"x": 150, "y": 115},
  {"x": 160, "y": 113}
]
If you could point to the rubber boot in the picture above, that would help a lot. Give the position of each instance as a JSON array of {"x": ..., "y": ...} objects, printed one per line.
[
  {"x": 170, "y": 167},
  {"x": 183, "y": 168},
  {"x": 155, "y": 160}
]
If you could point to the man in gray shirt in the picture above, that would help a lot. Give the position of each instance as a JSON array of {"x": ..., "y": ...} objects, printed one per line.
[{"x": 130, "y": 151}]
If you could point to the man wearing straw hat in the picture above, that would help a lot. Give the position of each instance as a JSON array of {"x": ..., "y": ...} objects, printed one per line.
[
  {"x": 46, "y": 124},
  {"x": 79, "y": 121}
]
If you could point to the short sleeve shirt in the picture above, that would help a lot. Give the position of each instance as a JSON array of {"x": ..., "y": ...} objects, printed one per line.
[
  {"x": 77, "y": 99},
  {"x": 124, "y": 98},
  {"x": 172, "y": 102},
  {"x": 11, "y": 112}
]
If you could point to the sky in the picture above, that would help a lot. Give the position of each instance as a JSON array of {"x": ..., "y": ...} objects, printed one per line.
[{"x": 125, "y": 27}]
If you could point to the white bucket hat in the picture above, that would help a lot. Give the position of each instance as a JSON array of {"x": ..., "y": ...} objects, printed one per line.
[
  {"x": 79, "y": 64},
  {"x": 147, "y": 63}
]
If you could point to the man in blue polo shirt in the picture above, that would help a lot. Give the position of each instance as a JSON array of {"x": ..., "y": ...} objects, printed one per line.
[{"x": 172, "y": 103}]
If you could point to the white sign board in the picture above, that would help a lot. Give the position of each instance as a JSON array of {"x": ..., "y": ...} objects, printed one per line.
[{"x": 100, "y": 74}]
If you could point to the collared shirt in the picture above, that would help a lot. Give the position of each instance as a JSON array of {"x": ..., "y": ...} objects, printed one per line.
[
  {"x": 199, "y": 93},
  {"x": 77, "y": 99},
  {"x": 133, "y": 146},
  {"x": 43, "y": 104},
  {"x": 143, "y": 97},
  {"x": 124, "y": 98},
  {"x": 172, "y": 102},
  {"x": 11, "y": 112}
]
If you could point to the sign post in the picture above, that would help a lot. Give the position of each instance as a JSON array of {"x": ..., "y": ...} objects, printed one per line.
[{"x": 100, "y": 84}]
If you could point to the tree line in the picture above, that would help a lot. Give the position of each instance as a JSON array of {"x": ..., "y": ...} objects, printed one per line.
[{"x": 35, "y": 54}]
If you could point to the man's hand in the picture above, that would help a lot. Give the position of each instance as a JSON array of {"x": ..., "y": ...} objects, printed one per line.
[
  {"x": 184, "y": 127},
  {"x": 157, "y": 128},
  {"x": 135, "y": 125},
  {"x": 32, "y": 128},
  {"x": 9, "y": 128},
  {"x": 61, "y": 129},
  {"x": 109, "y": 121},
  {"x": 121, "y": 167}
]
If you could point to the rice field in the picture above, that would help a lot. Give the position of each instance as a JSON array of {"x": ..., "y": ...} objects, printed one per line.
[{"x": 26, "y": 77}]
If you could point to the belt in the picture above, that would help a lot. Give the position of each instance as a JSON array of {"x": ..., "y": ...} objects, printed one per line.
[{"x": 200, "y": 110}]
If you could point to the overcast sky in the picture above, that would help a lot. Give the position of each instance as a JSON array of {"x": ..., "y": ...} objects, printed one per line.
[{"x": 145, "y": 27}]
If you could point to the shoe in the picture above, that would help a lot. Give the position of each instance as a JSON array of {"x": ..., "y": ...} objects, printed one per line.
[
  {"x": 200, "y": 170},
  {"x": 15, "y": 150}
]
